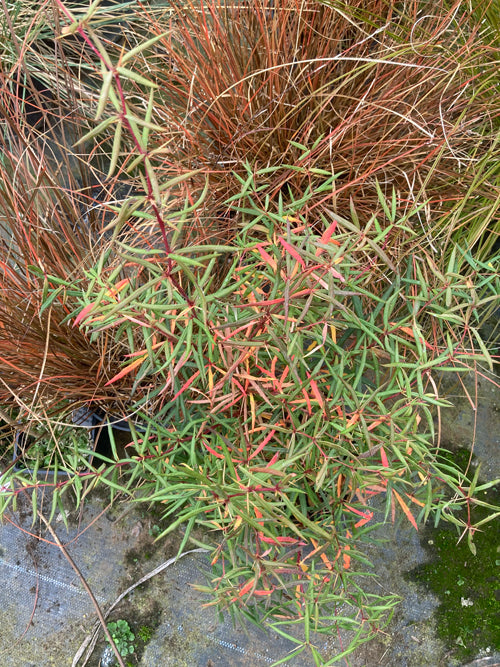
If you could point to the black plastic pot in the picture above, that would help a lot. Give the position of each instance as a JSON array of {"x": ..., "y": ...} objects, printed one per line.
[
  {"x": 100, "y": 421},
  {"x": 97, "y": 423}
]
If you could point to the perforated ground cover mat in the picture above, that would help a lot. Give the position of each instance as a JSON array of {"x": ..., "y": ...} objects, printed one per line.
[{"x": 46, "y": 613}]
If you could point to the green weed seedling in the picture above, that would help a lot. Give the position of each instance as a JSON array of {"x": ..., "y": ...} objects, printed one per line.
[{"x": 122, "y": 636}]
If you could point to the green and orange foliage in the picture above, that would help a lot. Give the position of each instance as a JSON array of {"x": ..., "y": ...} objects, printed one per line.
[
  {"x": 54, "y": 207},
  {"x": 160, "y": 311},
  {"x": 281, "y": 401},
  {"x": 275, "y": 298},
  {"x": 365, "y": 92}
]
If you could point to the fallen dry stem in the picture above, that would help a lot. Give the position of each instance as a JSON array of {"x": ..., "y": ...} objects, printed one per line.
[
  {"x": 85, "y": 585},
  {"x": 91, "y": 639}
]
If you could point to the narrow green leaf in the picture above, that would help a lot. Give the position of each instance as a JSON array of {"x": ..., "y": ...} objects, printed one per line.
[
  {"x": 115, "y": 151},
  {"x": 138, "y": 78},
  {"x": 149, "y": 115},
  {"x": 143, "y": 46},
  {"x": 97, "y": 130},
  {"x": 104, "y": 95}
]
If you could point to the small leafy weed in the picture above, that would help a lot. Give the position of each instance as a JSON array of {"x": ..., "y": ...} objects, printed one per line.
[{"x": 122, "y": 636}]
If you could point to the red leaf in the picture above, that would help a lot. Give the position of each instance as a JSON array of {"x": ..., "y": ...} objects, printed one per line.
[
  {"x": 267, "y": 257},
  {"x": 291, "y": 250},
  {"x": 383, "y": 456},
  {"x": 186, "y": 384},
  {"x": 405, "y": 509},
  {"x": 83, "y": 313},
  {"x": 262, "y": 444},
  {"x": 273, "y": 460},
  {"x": 216, "y": 454},
  {"x": 306, "y": 396},
  {"x": 337, "y": 275},
  {"x": 246, "y": 587},
  {"x": 126, "y": 370},
  {"x": 279, "y": 540},
  {"x": 317, "y": 393}
]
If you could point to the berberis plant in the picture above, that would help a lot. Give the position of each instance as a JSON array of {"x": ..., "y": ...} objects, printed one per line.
[{"x": 305, "y": 249}]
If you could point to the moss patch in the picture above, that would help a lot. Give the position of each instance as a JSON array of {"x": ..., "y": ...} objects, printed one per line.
[{"x": 468, "y": 586}]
